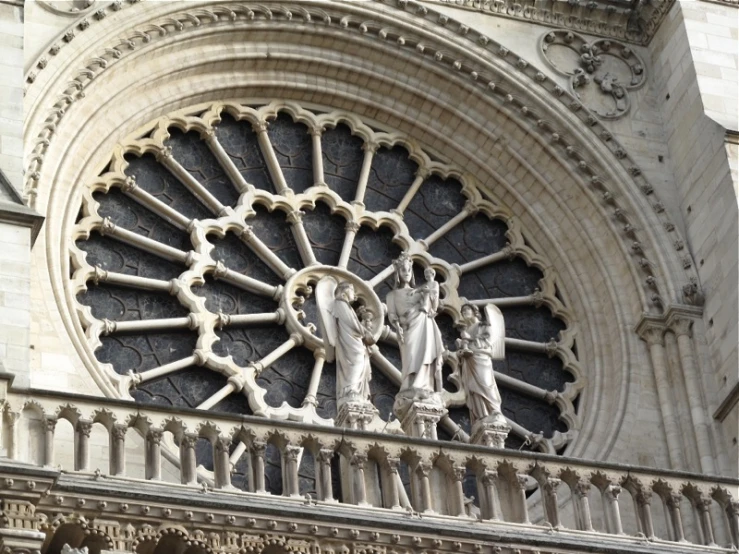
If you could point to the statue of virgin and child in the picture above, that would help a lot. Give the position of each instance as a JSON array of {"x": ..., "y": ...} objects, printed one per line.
[{"x": 411, "y": 312}]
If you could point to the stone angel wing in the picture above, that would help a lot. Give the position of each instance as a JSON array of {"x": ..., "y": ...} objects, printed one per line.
[
  {"x": 325, "y": 290},
  {"x": 496, "y": 326}
]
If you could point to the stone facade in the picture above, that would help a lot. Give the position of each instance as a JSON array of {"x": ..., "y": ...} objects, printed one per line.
[{"x": 604, "y": 135}]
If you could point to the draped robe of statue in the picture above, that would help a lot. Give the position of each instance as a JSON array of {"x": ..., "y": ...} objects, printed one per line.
[
  {"x": 422, "y": 344},
  {"x": 476, "y": 372},
  {"x": 353, "y": 372}
]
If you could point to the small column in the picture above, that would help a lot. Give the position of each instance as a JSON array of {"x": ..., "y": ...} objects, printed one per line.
[
  {"x": 610, "y": 495},
  {"x": 315, "y": 136},
  {"x": 222, "y": 462},
  {"x": 585, "y": 522},
  {"x": 654, "y": 337},
  {"x": 673, "y": 507},
  {"x": 82, "y": 456},
  {"x": 458, "y": 475},
  {"x": 701, "y": 427},
  {"x": 492, "y": 502},
  {"x": 369, "y": 151},
  {"x": 423, "y": 470},
  {"x": 292, "y": 454},
  {"x": 295, "y": 218},
  {"x": 351, "y": 228},
  {"x": 188, "y": 460},
  {"x": 704, "y": 510},
  {"x": 732, "y": 513},
  {"x": 644, "y": 502},
  {"x": 273, "y": 165},
  {"x": 153, "y": 466},
  {"x": 49, "y": 426},
  {"x": 551, "y": 506},
  {"x": 326, "y": 492},
  {"x": 393, "y": 465},
  {"x": 12, "y": 418},
  {"x": 118, "y": 449},
  {"x": 521, "y": 483},
  {"x": 358, "y": 462},
  {"x": 356, "y": 415},
  {"x": 490, "y": 431},
  {"x": 258, "y": 451},
  {"x": 419, "y": 419}
]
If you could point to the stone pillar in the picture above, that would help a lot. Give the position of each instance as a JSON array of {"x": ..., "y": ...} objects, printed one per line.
[
  {"x": 682, "y": 326},
  {"x": 423, "y": 471},
  {"x": 82, "y": 455},
  {"x": 492, "y": 501},
  {"x": 393, "y": 499},
  {"x": 258, "y": 451},
  {"x": 118, "y": 449},
  {"x": 673, "y": 508},
  {"x": 356, "y": 415},
  {"x": 421, "y": 418},
  {"x": 222, "y": 462},
  {"x": 582, "y": 506},
  {"x": 610, "y": 495},
  {"x": 644, "y": 502},
  {"x": 732, "y": 513},
  {"x": 49, "y": 427},
  {"x": 326, "y": 492},
  {"x": 188, "y": 460},
  {"x": 291, "y": 455},
  {"x": 153, "y": 465},
  {"x": 704, "y": 510},
  {"x": 520, "y": 484},
  {"x": 551, "y": 506},
  {"x": 358, "y": 462},
  {"x": 458, "y": 475},
  {"x": 654, "y": 337}
]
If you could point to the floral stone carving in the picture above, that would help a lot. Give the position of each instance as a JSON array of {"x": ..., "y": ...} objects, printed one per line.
[{"x": 601, "y": 72}]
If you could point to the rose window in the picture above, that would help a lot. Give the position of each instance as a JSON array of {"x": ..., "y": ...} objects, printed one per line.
[{"x": 197, "y": 249}]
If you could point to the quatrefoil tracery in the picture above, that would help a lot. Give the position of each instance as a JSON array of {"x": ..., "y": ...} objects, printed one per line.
[{"x": 228, "y": 202}]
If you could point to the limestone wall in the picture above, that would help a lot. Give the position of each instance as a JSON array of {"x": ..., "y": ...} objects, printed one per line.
[
  {"x": 695, "y": 62},
  {"x": 11, "y": 90}
]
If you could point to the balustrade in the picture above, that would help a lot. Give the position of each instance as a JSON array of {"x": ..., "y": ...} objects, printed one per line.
[{"x": 530, "y": 489}]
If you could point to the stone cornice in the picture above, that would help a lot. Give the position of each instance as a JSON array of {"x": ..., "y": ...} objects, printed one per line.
[
  {"x": 635, "y": 22},
  {"x": 14, "y": 211}
]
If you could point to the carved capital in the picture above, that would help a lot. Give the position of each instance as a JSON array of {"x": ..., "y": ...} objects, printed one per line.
[
  {"x": 489, "y": 478},
  {"x": 325, "y": 455},
  {"x": 654, "y": 335},
  {"x": 359, "y": 460},
  {"x": 612, "y": 491},
  {"x": 118, "y": 432},
  {"x": 582, "y": 489},
  {"x": 84, "y": 428},
  {"x": 459, "y": 473},
  {"x": 682, "y": 326},
  {"x": 164, "y": 154},
  {"x": 393, "y": 464},
  {"x": 189, "y": 440},
  {"x": 292, "y": 453},
  {"x": 470, "y": 207},
  {"x": 295, "y": 216},
  {"x": 352, "y": 226},
  {"x": 259, "y": 448},
  {"x": 423, "y": 469},
  {"x": 107, "y": 227},
  {"x": 155, "y": 436},
  {"x": 129, "y": 185},
  {"x": 50, "y": 423},
  {"x": 223, "y": 444},
  {"x": 551, "y": 484},
  {"x": 260, "y": 126},
  {"x": 522, "y": 481},
  {"x": 644, "y": 497},
  {"x": 673, "y": 500}
]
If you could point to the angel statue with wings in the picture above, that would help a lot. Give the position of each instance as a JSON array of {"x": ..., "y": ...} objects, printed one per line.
[
  {"x": 346, "y": 340},
  {"x": 479, "y": 344}
]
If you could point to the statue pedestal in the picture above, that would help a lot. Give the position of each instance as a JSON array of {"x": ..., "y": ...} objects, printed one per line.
[
  {"x": 357, "y": 415},
  {"x": 490, "y": 431},
  {"x": 421, "y": 418}
]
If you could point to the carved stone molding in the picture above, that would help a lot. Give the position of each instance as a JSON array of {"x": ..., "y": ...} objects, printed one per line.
[
  {"x": 71, "y": 8},
  {"x": 601, "y": 72}
]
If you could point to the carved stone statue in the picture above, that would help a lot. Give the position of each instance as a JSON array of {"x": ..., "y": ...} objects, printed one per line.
[
  {"x": 411, "y": 313},
  {"x": 479, "y": 344},
  {"x": 346, "y": 339}
]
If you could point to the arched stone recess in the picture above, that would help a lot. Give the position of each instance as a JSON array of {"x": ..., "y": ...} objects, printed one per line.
[{"x": 462, "y": 97}]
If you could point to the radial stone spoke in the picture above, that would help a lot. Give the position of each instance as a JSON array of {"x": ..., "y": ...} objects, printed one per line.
[
  {"x": 468, "y": 210},
  {"x": 315, "y": 378},
  {"x": 380, "y": 277},
  {"x": 153, "y": 204},
  {"x": 131, "y": 281},
  {"x": 386, "y": 366},
  {"x": 277, "y": 353},
  {"x": 525, "y": 388},
  {"x": 238, "y": 320},
  {"x": 273, "y": 261},
  {"x": 510, "y": 302},
  {"x": 504, "y": 253},
  {"x": 191, "y": 183},
  {"x": 421, "y": 174},
  {"x": 165, "y": 369},
  {"x": 237, "y": 180},
  {"x": 273, "y": 165},
  {"x": 318, "y": 177},
  {"x": 548, "y": 348},
  {"x": 346, "y": 250},
  {"x": 148, "y": 325},
  {"x": 108, "y": 228},
  {"x": 219, "y": 395},
  {"x": 247, "y": 283},
  {"x": 301, "y": 238},
  {"x": 369, "y": 151}
]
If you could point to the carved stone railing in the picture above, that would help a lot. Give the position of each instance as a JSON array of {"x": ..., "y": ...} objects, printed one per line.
[{"x": 382, "y": 473}]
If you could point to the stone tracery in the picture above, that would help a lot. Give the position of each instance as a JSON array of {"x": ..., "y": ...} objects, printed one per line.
[{"x": 226, "y": 231}]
